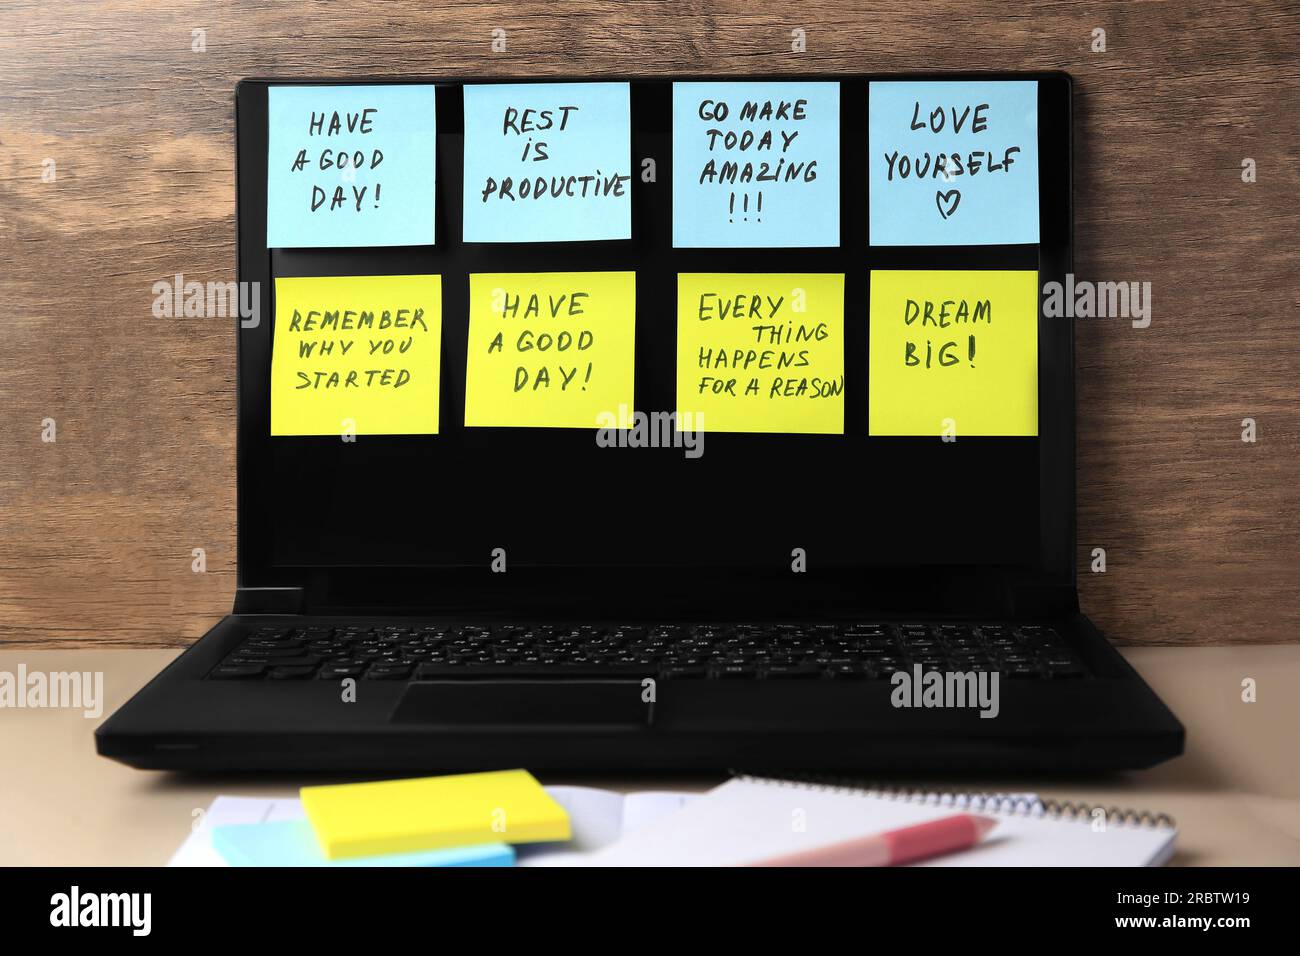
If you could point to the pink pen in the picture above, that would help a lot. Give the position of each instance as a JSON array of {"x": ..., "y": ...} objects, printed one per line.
[{"x": 893, "y": 847}]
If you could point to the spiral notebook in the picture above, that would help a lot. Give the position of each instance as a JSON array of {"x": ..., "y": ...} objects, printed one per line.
[{"x": 753, "y": 818}]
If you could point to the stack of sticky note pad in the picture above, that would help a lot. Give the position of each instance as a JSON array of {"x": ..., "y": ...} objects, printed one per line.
[{"x": 469, "y": 819}]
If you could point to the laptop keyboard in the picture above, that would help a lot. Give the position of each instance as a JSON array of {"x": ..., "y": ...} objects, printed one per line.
[{"x": 401, "y": 652}]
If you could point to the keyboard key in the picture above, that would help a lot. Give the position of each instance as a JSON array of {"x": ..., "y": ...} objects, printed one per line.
[
  {"x": 924, "y": 644},
  {"x": 1023, "y": 672},
  {"x": 850, "y": 672},
  {"x": 732, "y": 671},
  {"x": 337, "y": 672},
  {"x": 690, "y": 672},
  {"x": 291, "y": 673},
  {"x": 1064, "y": 668},
  {"x": 792, "y": 672},
  {"x": 273, "y": 644},
  {"x": 551, "y": 671},
  {"x": 287, "y": 651},
  {"x": 246, "y": 672},
  {"x": 388, "y": 672},
  {"x": 273, "y": 631},
  {"x": 302, "y": 660}
]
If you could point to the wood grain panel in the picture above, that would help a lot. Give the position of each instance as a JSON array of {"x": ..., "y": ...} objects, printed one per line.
[{"x": 96, "y": 529}]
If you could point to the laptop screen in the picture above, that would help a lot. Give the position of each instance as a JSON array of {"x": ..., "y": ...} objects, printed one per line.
[{"x": 731, "y": 325}]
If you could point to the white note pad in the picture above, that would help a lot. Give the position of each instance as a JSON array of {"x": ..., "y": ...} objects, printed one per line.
[{"x": 747, "y": 820}]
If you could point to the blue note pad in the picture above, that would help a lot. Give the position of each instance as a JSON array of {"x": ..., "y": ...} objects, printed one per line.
[
  {"x": 548, "y": 162},
  {"x": 292, "y": 843},
  {"x": 350, "y": 166},
  {"x": 975, "y": 199},
  {"x": 756, "y": 165}
]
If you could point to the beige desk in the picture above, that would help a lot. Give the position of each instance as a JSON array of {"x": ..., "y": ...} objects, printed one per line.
[{"x": 1235, "y": 794}]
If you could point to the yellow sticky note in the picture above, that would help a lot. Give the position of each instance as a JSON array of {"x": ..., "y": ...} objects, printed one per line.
[
  {"x": 760, "y": 352},
  {"x": 432, "y": 813},
  {"x": 953, "y": 353},
  {"x": 356, "y": 353},
  {"x": 550, "y": 349}
]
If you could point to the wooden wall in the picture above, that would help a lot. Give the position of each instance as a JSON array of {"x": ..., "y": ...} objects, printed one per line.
[{"x": 97, "y": 528}]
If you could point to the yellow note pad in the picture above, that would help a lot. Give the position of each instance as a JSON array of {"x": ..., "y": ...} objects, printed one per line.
[
  {"x": 430, "y": 813},
  {"x": 760, "y": 353},
  {"x": 356, "y": 352},
  {"x": 550, "y": 350},
  {"x": 953, "y": 352}
]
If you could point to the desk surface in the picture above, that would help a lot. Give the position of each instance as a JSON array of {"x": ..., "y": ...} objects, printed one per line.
[{"x": 1235, "y": 793}]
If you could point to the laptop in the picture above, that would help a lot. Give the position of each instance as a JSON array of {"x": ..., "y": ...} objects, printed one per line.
[{"x": 816, "y": 584}]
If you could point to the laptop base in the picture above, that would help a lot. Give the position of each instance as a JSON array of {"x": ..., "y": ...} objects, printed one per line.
[{"x": 184, "y": 720}]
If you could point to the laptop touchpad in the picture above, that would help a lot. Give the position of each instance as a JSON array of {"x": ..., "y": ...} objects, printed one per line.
[{"x": 578, "y": 703}]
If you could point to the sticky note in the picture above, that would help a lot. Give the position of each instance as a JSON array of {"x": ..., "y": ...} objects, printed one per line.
[
  {"x": 548, "y": 162},
  {"x": 550, "y": 350},
  {"x": 953, "y": 353},
  {"x": 760, "y": 353},
  {"x": 350, "y": 166},
  {"x": 292, "y": 843},
  {"x": 756, "y": 164},
  {"x": 356, "y": 353},
  {"x": 430, "y": 813},
  {"x": 953, "y": 162}
]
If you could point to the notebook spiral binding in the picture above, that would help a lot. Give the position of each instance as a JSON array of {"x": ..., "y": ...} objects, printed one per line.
[{"x": 1000, "y": 803}]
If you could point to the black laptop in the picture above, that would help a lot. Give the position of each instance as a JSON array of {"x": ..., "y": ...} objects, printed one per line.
[{"x": 817, "y": 584}]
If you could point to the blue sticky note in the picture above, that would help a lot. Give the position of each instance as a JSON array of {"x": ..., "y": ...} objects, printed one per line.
[
  {"x": 953, "y": 163},
  {"x": 756, "y": 165},
  {"x": 292, "y": 843},
  {"x": 548, "y": 162},
  {"x": 350, "y": 166}
]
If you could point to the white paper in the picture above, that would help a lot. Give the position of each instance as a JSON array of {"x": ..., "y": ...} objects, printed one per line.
[
  {"x": 197, "y": 849},
  {"x": 596, "y": 817}
]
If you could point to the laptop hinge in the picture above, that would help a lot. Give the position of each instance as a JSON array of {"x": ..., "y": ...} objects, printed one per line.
[
  {"x": 270, "y": 601},
  {"x": 1044, "y": 601}
]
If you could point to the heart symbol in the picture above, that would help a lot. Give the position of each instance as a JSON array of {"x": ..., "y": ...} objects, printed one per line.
[{"x": 952, "y": 197}]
